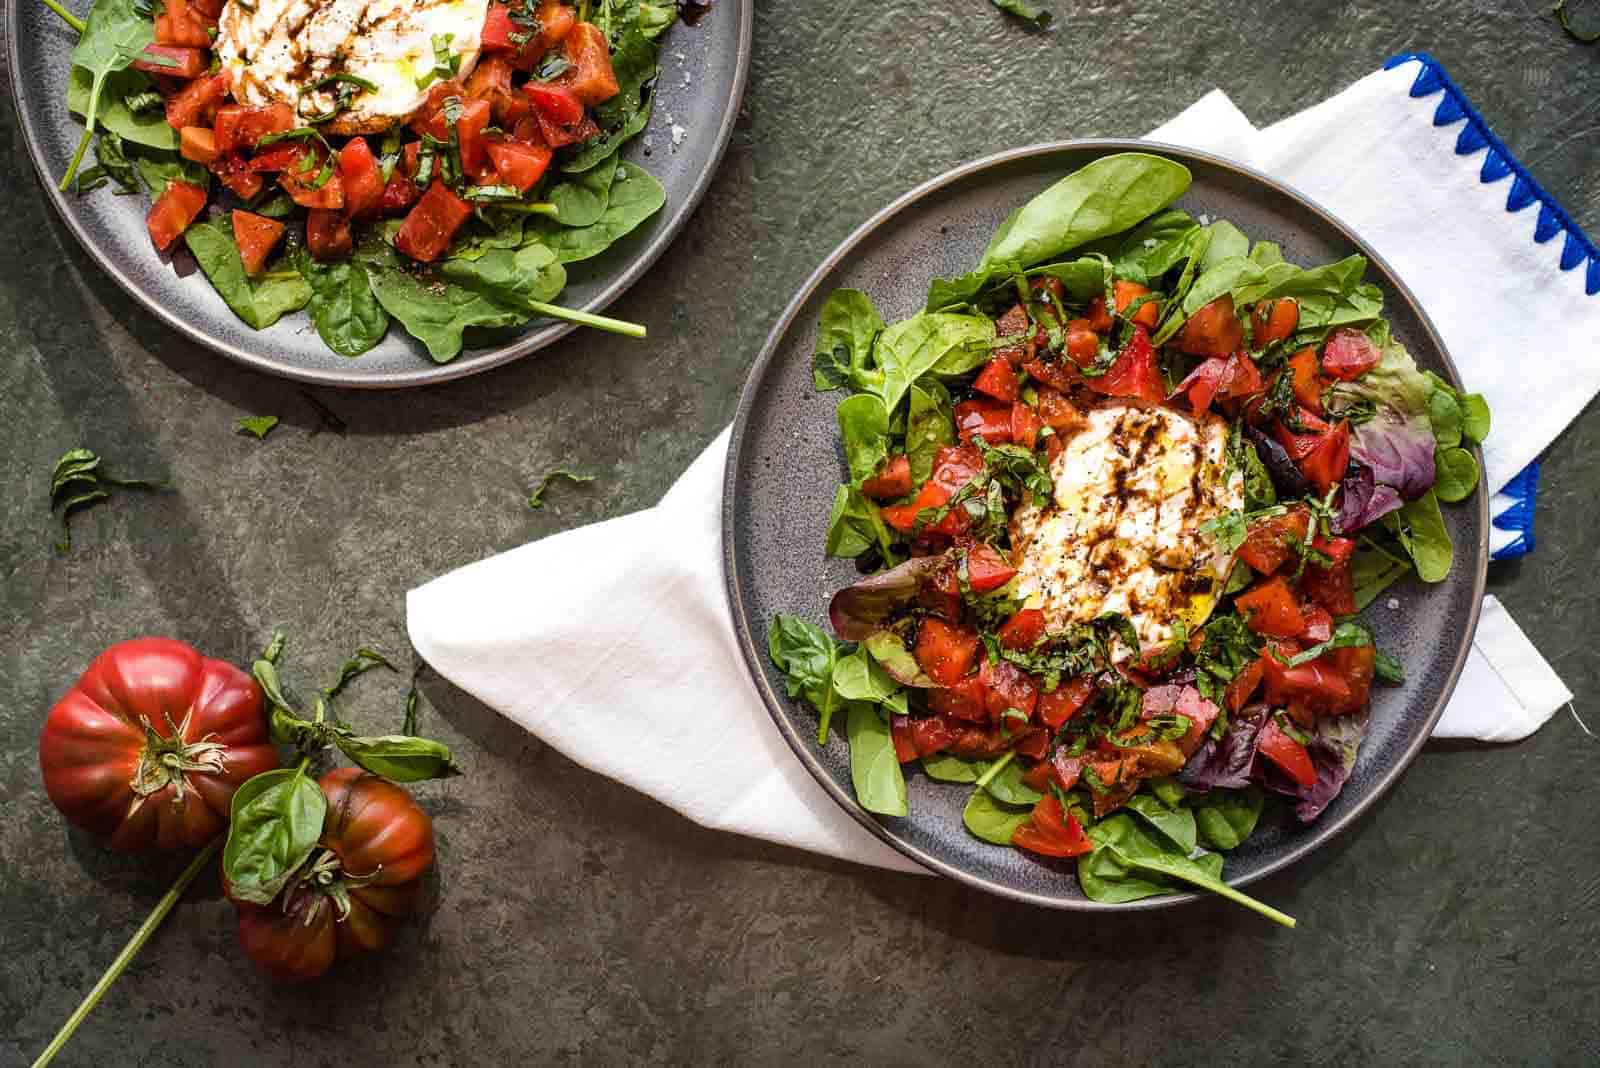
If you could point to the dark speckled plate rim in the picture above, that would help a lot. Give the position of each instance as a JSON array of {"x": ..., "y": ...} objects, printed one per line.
[
  {"x": 424, "y": 375},
  {"x": 1319, "y": 833}
]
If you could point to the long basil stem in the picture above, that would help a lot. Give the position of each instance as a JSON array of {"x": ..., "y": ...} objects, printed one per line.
[
  {"x": 599, "y": 322},
  {"x": 66, "y": 16},
  {"x": 129, "y": 951}
]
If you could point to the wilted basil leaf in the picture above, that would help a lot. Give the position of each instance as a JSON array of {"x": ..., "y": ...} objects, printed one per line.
[
  {"x": 399, "y": 758},
  {"x": 276, "y": 821}
]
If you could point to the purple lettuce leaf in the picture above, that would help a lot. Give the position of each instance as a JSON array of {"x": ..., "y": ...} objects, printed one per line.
[
  {"x": 1224, "y": 763},
  {"x": 1362, "y": 501},
  {"x": 1398, "y": 448},
  {"x": 1286, "y": 477},
  {"x": 1334, "y": 744},
  {"x": 858, "y": 611}
]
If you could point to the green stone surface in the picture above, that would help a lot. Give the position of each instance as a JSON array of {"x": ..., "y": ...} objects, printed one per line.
[{"x": 574, "y": 920}]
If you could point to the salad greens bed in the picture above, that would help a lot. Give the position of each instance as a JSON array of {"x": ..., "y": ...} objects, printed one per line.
[
  {"x": 1146, "y": 765},
  {"x": 505, "y": 266}
]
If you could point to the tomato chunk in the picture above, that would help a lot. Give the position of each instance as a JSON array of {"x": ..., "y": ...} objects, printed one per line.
[
  {"x": 966, "y": 700},
  {"x": 1051, "y": 831},
  {"x": 521, "y": 166},
  {"x": 173, "y": 211},
  {"x": 1331, "y": 587},
  {"x": 197, "y": 143},
  {"x": 299, "y": 185},
  {"x": 1023, "y": 630},
  {"x": 1335, "y": 683},
  {"x": 932, "y": 734},
  {"x": 426, "y": 233},
  {"x": 1214, "y": 330},
  {"x": 196, "y": 104},
  {"x": 998, "y": 380},
  {"x": 1266, "y": 546},
  {"x": 892, "y": 479},
  {"x": 1082, "y": 343},
  {"x": 174, "y": 61},
  {"x": 362, "y": 179},
  {"x": 328, "y": 234},
  {"x": 1244, "y": 686},
  {"x": 1065, "y": 701},
  {"x": 1307, "y": 383},
  {"x": 1289, "y": 755},
  {"x": 239, "y": 127},
  {"x": 905, "y": 746},
  {"x": 1274, "y": 320},
  {"x": 398, "y": 195},
  {"x": 180, "y": 23},
  {"x": 987, "y": 569},
  {"x": 491, "y": 82},
  {"x": 557, "y": 103},
  {"x": 983, "y": 419},
  {"x": 953, "y": 467},
  {"x": 1349, "y": 354},
  {"x": 256, "y": 236},
  {"x": 469, "y": 127},
  {"x": 590, "y": 76},
  {"x": 945, "y": 651},
  {"x": 1270, "y": 607},
  {"x": 235, "y": 173},
  {"x": 1325, "y": 465},
  {"x": 1025, "y": 425},
  {"x": 1126, "y": 293},
  {"x": 1134, "y": 374},
  {"x": 1008, "y": 687},
  {"x": 1056, "y": 411}
]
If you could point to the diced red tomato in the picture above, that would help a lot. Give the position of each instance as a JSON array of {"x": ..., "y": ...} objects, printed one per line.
[
  {"x": 1134, "y": 374},
  {"x": 557, "y": 136},
  {"x": 980, "y": 743},
  {"x": 1052, "y": 831},
  {"x": 256, "y": 236},
  {"x": 211, "y": 9},
  {"x": 470, "y": 125},
  {"x": 940, "y": 592},
  {"x": 1065, "y": 701},
  {"x": 557, "y": 103},
  {"x": 521, "y": 166},
  {"x": 891, "y": 480},
  {"x": 1039, "y": 776},
  {"x": 998, "y": 380},
  {"x": 1244, "y": 686},
  {"x": 1319, "y": 624},
  {"x": 1325, "y": 465},
  {"x": 1349, "y": 354},
  {"x": 1126, "y": 293},
  {"x": 430, "y": 225},
  {"x": 1307, "y": 383},
  {"x": 1201, "y": 714},
  {"x": 196, "y": 104},
  {"x": 987, "y": 569},
  {"x": 1082, "y": 343},
  {"x": 1067, "y": 769},
  {"x": 328, "y": 234},
  {"x": 985, "y": 419},
  {"x": 1056, "y": 411},
  {"x": 1336, "y": 682},
  {"x": 1219, "y": 378},
  {"x": 1214, "y": 330},
  {"x": 1007, "y": 686},
  {"x": 174, "y": 61},
  {"x": 1266, "y": 545},
  {"x": 1337, "y": 549},
  {"x": 1023, "y": 630},
  {"x": 1297, "y": 445},
  {"x": 491, "y": 82},
  {"x": 235, "y": 173},
  {"x": 283, "y": 156},
  {"x": 239, "y": 127},
  {"x": 399, "y": 194},
  {"x": 433, "y": 103},
  {"x": 501, "y": 33},
  {"x": 173, "y": 211},
  {"x": 1057, "y": 374},
  {"x": 590, "y": 76},
  {"x": 197, "y": 143},
  {"x": 905, "y": 746},
  {"x": 953, "y": 467},
  {"x": 966, "y": 700},
  {"x": 362, "y": 179},
  {"x": 180, "y": 23},
  {"x": 329, "y": 195},
  {"x": 1270, "y": 607},
  {"x": 1098, "y": 316},
  {"x": 1289, "y": 755},
  {"x": 498, "y": 28},
  {"x": 1025, "y": 425},
  {"x": 931, "y": 735},
  {"x": 946, "y": 651},
  {"x": 1274, "y": 320},
  {"x": 1331, "y": 587}
]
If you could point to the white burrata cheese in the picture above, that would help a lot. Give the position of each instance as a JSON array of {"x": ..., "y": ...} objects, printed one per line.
[
  {"x": 274, "y": 49},
  {"x": 1132, "y": 489}
]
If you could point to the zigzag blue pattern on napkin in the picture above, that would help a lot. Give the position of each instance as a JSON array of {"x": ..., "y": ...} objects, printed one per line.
[{"x": 1498, "y": 164}]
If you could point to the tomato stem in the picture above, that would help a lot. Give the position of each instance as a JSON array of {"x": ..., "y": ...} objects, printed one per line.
[{"x": 129, "y": 951}]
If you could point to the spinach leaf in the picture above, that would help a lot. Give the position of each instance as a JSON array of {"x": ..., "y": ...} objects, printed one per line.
[
  {"x": 259, "y": 302},
  {"x": 435, "y": 314},
  {"x": 1105, "y": 197},
  {"x": 275, "y": 823},
  {"x": 1227, "y": 243},
  {"x": 1142, "y": 854},
  {"x": 930, "y": 425},
  {"x": 848, "y": 326},
  {"x": 1457, "y": 475},
  {"x": 146, "y": 127},
  {"x": 635, "y": 196},
  {"x": 488, "y": 230},
  {"x": 1225, "y": 818},
  {"x": 1022, "y": 9},
  {"x": 874, "y": 768},
  {"x": 634, "y": 61},
  {"x": 158, "y": 169},
  {"x": 1444, "y": 415},
  {"x": 1154, "y": 247},
  {"x": 258, "y": 425},
  {"x": 1266, "y": 253},
  {"x": 512, "y": 278},
  {"x": 1177, "y": 824},
  {"x": 1006, "y": 785},
  {"x": 947, "y": 767},
  {"x": 349, "y": 318},
  {"x": 942, "y": 343},
  {"x": 1083, "y": 278},
  {"x": 858, "y": 677},
  {"x": 855, "y": 525},
  {"x": 1420, "y": 526},
  {"x": 1218, "y": 280},
  {"x": 864, "y": 430},
  {"x": 992, "y": 820},
  {"x": 807, "y": 657},
  {"x": 1372, "y": 571},
  {"x": 1330, "y": 295},
  {"x": 890, "y": 651},
  {"x": 655, "y": 17},
  {"x": 1475, "y": 417},
  {"x": 1104, "y": 878},
  {"x": 581, "y": 200},
  {"x": 113, "y": 37}
]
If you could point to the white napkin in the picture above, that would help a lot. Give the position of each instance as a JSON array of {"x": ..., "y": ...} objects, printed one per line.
[{"x": 646, "y": 685}]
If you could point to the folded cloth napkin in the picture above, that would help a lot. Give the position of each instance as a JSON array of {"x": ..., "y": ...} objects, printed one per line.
[{"x": 681, "y": 720}]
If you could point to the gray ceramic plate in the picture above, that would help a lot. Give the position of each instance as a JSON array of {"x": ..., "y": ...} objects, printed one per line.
[
  {"x": 785, "y": 463},
  {"x": 703, "y": 70}
]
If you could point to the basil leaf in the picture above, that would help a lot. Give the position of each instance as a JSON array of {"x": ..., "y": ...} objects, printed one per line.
[
  {"x": 635, "y": 196},
  {"x": 276, "y": 821},
  {"x": 874, "y": 768},
  {"x": 258, "y": 302},
  {"x": 258, "y": 425},
  {"x": 160, "y": 171},
  {"x": 1177, "y": 824},
  {"x": 114, "y": 35},
  {"x": 399, "y": 758},
  {"x": 1225, "y": 818},
  {"x": 855, "y": 525},
  {"x": 348, "y": 316},
  {"x": 807, "y": 656},
  {"x": 581, "y": 200},
  {"x": 147, "y": 127},
  {"x": 943, "y": 343},
  {"x": 992, "y": 820},
  {"x": 1456, "y": 475},
  {"x": 864, "y": 431},
  {"x": 846, "y": 330},
  {"x": 536, "y": 499},
  {"x": 930, "y": 425},
  {"x": 1345, "y": 636}
]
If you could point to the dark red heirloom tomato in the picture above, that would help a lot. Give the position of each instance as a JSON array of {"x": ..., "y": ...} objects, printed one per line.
[
  {"x": 359, "y": 882},
  {"x": 149, "y": 745}
]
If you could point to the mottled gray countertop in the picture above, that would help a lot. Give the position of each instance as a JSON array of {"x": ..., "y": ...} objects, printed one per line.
[{"x": 572, "y": 919}]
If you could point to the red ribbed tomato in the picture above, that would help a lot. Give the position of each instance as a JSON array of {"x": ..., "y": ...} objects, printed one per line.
[
  {"x": 359, "y": 882},
  {"x": 148, "y": 746}
]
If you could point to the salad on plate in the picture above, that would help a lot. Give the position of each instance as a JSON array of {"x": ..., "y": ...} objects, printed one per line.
[
  {"x": 434, "y": 163},
  {"x": 1119, "y": 496}
]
